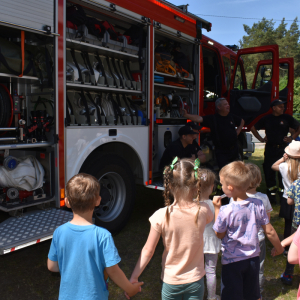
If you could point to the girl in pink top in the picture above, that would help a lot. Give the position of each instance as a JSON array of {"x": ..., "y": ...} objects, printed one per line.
[
  {"x": 294, "y": 253},
  {"x": 181, "y": 224}
]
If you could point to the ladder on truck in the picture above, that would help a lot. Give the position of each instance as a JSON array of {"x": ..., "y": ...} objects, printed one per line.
[{"x": 30, "y": 228}]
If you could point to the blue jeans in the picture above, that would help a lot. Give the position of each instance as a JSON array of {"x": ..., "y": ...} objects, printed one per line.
[{"x": 188, "y": 291}]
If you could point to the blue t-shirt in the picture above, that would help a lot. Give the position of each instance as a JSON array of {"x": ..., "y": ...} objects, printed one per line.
[
  {"x": 241, "y": 220},
  {"x": 83, "y": 252}
]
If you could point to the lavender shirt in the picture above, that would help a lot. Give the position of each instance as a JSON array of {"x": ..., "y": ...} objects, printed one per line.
[{"x": 242, "y": 220}]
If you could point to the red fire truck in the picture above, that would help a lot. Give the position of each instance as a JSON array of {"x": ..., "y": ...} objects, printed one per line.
[{"x": 96, "y": 86}]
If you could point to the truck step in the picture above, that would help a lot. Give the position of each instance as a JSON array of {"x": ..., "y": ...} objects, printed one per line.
[
  {"x": 156, "y": 185},
  {"x": 31, "y": 228}
]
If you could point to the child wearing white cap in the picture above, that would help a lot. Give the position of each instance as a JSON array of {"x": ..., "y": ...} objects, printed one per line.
[{"x": 289, "y": 168}]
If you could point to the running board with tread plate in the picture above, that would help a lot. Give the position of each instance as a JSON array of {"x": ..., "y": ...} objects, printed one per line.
[
  {"x": 30, "y": 228},
  {"x": 156, "y": 185}
]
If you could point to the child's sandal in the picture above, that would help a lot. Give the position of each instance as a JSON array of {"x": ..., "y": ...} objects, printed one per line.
[{"x": 286, "y": 278}]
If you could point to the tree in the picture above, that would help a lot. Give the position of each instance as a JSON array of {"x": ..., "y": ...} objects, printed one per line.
[
  {"x": 297, "y": 98},
  {"x": 288, "y": 40},
  {"x": 264, "y": 33}
]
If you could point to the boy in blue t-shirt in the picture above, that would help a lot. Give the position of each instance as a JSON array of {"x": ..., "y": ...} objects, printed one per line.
[{"x": 83, "y": 252}]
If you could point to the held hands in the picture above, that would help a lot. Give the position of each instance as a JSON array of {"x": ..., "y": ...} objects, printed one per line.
[
  {"x": 264, "y": 140},
  {"x": 274, "y": 252},
  {"x": 287, "y": 139},
  {"x": 217, "y": 201},
  {"x": 136, "y": 288}
]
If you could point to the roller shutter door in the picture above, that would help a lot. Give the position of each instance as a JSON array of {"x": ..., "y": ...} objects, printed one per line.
[{"x": 31, "y": 13}]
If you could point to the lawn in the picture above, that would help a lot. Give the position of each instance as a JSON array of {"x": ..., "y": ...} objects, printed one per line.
[
  {"x": 131, "y": 240},
  {"x": 24, "y": 274}
]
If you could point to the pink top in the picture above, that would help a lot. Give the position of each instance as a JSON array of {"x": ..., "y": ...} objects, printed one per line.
[
  {"x": 296, "y": 241},
  {"x": 182, "y": 259}
]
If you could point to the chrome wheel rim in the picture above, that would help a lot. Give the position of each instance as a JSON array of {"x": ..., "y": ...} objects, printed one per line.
[{"x": 113, "y": 194}]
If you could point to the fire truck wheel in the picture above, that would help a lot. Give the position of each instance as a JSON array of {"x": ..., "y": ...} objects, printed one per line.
[{"x": 117, "y": 190}]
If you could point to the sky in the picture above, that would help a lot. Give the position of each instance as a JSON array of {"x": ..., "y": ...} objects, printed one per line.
[{"x": 228, "y": 31}]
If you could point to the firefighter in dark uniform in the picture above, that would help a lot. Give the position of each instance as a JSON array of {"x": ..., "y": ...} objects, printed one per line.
[
  {"x": 276, "y": 125},
  {"x": 194, "y": 147},
  {"x": 225, "y": 128},
  {"x": 182, "y": 147}
]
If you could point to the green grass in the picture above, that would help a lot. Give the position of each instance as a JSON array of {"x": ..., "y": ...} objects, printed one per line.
[
  {"x": 24, "y": 273},
  {"x": 131, "y": 240}
]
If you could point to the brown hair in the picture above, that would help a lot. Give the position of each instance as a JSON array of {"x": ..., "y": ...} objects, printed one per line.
[
  {"x": 237, "y": 174},
  {"x": 82, "y": 191},
  {"x": 293, "y": 168},
  {"x": 182, "y": 180},
  {"x": 255, "y": 174}
]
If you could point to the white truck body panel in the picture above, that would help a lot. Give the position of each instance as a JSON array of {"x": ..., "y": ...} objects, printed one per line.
[{"x": 81, "y": 141}]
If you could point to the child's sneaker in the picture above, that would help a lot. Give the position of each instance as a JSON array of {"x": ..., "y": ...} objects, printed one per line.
[{"x": 286, "y": 278}]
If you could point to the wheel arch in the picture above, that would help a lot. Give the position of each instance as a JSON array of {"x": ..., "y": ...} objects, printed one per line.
[{"x": 123, "y": 150}]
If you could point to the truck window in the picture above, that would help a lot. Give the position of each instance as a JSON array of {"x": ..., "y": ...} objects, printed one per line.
[
  {"x": 212, "y": 75},
  {"x": 250, "y": 62},
  {"x": 251, "y": 95},
  {"x": 226, "y": 62},
  {"x": 283, "y": 75},
  {"x": 238, "y": 79},
  {"x": 263, "y": 76}
]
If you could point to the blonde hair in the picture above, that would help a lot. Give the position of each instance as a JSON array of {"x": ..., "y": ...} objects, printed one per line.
[
  {"x": 182, "y": 180},
  {"x": 255, "y": 174},
  {"x": 237, "y": 174},
  {"x": 293, "y": 168},
  {"x": 82, "y": 192}
]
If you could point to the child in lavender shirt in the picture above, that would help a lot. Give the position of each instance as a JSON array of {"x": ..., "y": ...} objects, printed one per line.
[
  {"x": 237, "y": 224},
  {"x": 252, "y": 193}
]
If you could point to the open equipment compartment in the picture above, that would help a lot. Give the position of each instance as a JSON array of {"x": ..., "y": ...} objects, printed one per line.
[
  {"x": 106, "y": 82},
  {"x": 176, "y": 71},
  {"x": 27, "y": 120}
]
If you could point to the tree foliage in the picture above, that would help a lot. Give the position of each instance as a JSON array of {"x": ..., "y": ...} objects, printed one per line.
[
  {"x": 297, "y": 97},
  {"x": 264, "y": 33}
]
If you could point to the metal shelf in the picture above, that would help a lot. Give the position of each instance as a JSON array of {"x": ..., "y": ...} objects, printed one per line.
[
  {"x": 172, "y": 87},
  {"x": 78, "y": 86},
  {"x": 107, "y": 51},
  {"x": 23, "y": 146},
  {"x": 172, "y": 76},
  {"x": 22, "y": 205},
  {"x": 14, "y": 78}
]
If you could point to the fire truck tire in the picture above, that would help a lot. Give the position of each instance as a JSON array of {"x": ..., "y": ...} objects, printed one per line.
[{"x": 117, "y": 190}]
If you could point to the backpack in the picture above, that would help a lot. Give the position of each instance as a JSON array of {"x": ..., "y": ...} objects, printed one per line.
[
  {"x": 95, "y": 27},
  {"x": 76, "y": 15},
  {"x": 137, "y": 36},
  {"x": 71, "y": 25},
  {"x": 112, "y": 32}
]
